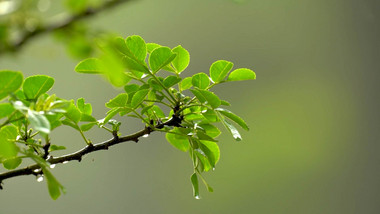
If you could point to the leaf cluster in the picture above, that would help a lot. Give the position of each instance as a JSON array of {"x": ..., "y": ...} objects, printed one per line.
[{"x": 154, "y": 91}]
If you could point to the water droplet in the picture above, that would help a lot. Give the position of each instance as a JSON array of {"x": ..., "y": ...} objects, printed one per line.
[
  {"x": 197, "y": 197},
  {"x": 36, "y": 170},
  {"x": 213, "y": 169},
  {"x": 40, "y": 178},
  {"x": 145, "y": 135},
  {"x": 64, "y": 162},
  {"x": 52, "y": 166}
]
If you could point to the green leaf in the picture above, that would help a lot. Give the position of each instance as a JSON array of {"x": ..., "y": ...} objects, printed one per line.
[
  {"x": 38, "y": 121},
  {"x": 182, "y": 60},
  {"x": 151, "y": 46},
  {"x": 88, "y": 126},
  {"x": 137, "y": 69},
  {"x": 139, "y": 97},
  {"x": 186, "y": 83},
  {"x": 70, "y": 123},
  {"x": 211, "y": 115},
  {"x": 55, "y": 188},
  {"x": 241, "y": 74},
  {"x": 234, "y": 132},
  {"x": 73, "y": 113},
  {"x": 194, "y": 182},
  {"x": 211, "y": 98},
  {"x": 178, "y": 141},
  {"x": 233, "y": 117},
  {"x": 120, "y": 100},
  {"x": 85, "y": 108},
  {"x": 219, "y": 70},
  {"x": 160, "y": 57},
  {"x": 225, "y": 103},
  {"x": 200, "y": 80},
  {"x": 211, "y": 130},
  {"x": 90, "y": 66},
  {"x": 203, "y": 136},
  {"x": 136, "y": 47},
  {"x": 204, "y": 162},
  {"x": 6, "y": 110},
  {"x": 131, "y": 88},
  {"x": 36, "y": 85},
  {"x": 10, "y": 81},
  {"x": 198, "y": 95},
  {"x": 12, "y": 163},
  {"x": 56, "y": 148},
  {"x": 171, "y": 80},
  {"x": 8, "y": 148},
  {"x": 212, "y": 151}
]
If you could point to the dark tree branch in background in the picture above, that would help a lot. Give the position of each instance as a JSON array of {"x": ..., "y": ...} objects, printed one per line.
[
  {"x": 62, "y": 24},
  {"x": 30, "y": 170}
]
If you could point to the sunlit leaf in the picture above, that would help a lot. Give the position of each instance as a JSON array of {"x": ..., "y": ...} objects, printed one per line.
[
  {"x": 38, "y": 121},
  {"x": 160, "y": 57},
  {"x": 90, "y": 66},
  {"x": 139, "y": 97},
  {"x": 233, "y": 117},
  {"x": 36, "y": 85},
  {"x": 10, "y": 81},
  {"x": 186, "y": 83},
  {"x": 120, "y": 100},
  {"x": 178, "y": 141},
  {"x": 182, "y": 60},
  {"x": 6, "y": 110},
  {"x": 171, "y": 80},
  {"x": 241, "y": 74},
  {"x": 200, "y": 80},
  {"x": 219, "y": 70}
]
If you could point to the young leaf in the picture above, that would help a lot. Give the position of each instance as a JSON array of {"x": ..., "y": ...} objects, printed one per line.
[
  {"x": 39, "y": 121},
  {"x": 131, "y": 88},
  {"x": 151, "y": 46},
  {"x": 182, "y": 60},
  {"x": 198, "y": 95},
  {"x": 6, "y": 109},
  {"x": 139, "y": 97},
  {"x": 200, "y": 80},
  {"x": 211, "y": 150},
  {"x": 90, "y": 66},
  {"x": 241, "y": 74},
  {"x": 171, "y": 80},
  {"x": 160, "y": 57},
  {"x": 136, "y": 47},
  {"x": 178, "y": 141},
  {"x": 85, "y": 108},
  {"x": 120, "y": 100},
  {"x": 55, "y": 188},
  {"x": 8, "y": 148},
  {"x": 12, "y": 163},
  {"x": 186, "y": 83},
  {"x": 10, "y": 81},
  {"x": 234, "y": 132},
  {"x": 219, "y": 70},
  {"x": 194, "y": 182},
  {"x": 233, "y": 117},
  {"x": 211, "y": 98},
  {"x": 36, "y": 85},
  {"x": 73, "y": 113},
  {"x": 210, "y": 130}
]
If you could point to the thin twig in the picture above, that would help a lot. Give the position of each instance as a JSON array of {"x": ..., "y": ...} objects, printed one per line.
[{"x": 78, "y": 155}]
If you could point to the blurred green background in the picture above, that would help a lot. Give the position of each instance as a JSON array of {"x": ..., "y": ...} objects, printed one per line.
[{"x": 313, "y": 112}]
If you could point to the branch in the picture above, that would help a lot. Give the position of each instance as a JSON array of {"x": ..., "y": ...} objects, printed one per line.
[
  {"x": 62, "y": 24},
  {"x": 30, "y": 170}
]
